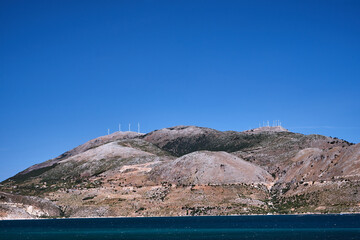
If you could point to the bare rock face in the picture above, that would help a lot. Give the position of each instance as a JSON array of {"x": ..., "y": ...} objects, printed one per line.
[
  {"x": 207, "y": 167},
  {"x": 16, "y": 206}
]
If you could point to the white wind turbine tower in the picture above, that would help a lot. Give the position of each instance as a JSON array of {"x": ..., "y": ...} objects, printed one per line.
[
  {"x": 129, "y": 127},
  {"x": 108, "y": 131},
  {"x": 138, "y": 127},
  {"x": 119, "y": 127}
]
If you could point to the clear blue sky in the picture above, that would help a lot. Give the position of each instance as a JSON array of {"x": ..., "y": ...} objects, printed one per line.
[{"x": 71, "y": 69}]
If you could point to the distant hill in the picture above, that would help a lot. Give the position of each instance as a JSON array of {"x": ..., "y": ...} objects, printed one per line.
[{"x": 189, "y": 170}]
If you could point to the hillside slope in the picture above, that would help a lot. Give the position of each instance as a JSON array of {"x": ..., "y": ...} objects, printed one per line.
[
  {"x": 189, "y": 170},
  {"x": 205, "y": 167}
]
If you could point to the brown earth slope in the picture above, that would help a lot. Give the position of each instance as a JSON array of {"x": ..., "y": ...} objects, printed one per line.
[
  {"x": 205, "y": 167},
  {"x": 17, "y": 206}
]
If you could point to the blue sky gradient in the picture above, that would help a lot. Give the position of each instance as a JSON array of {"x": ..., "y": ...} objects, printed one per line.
[{"x": 69, "y": 70}]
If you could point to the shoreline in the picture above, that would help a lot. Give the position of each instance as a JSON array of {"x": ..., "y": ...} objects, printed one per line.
[{"x": 243, "y": 215}]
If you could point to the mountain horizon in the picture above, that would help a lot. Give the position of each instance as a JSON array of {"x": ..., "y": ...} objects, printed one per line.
[{"x": 190, "y": 170}]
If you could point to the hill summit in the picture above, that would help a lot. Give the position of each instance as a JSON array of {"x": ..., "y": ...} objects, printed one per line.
[
  {"x": 267, "y": 129},
  {"x": 190, "y": 170}
]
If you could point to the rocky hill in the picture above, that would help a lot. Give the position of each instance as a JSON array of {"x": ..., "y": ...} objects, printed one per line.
[{"x": 189, "y": 170}]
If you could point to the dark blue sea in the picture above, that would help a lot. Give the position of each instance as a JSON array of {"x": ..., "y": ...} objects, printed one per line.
[{"x": 227, "y": 227}]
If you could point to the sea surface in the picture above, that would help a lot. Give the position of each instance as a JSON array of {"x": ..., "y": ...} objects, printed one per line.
[{"x": 218, "y": 227}]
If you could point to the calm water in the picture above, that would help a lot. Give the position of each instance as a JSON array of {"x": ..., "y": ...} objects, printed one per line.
[{"x": 229, "y": 227}]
